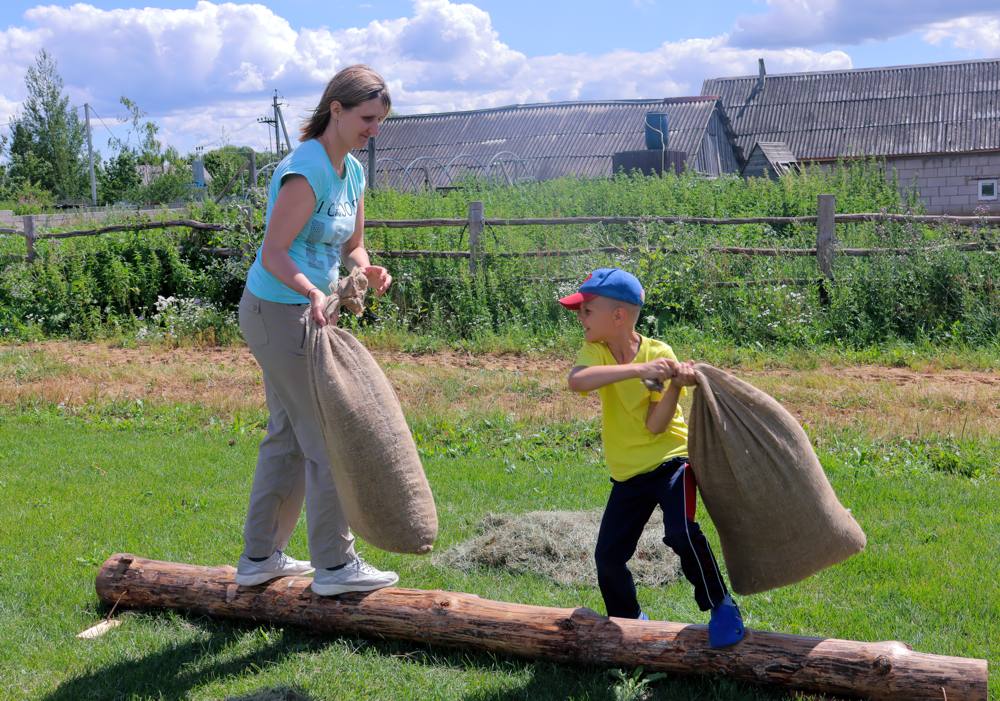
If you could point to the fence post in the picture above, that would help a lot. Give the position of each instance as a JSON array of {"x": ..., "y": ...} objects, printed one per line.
[
  {"x": 476, "y": 223},
  {"x": 371, "y": 163},
  {"x": 29, "y": 235},
  {"x": 253, "y": 168},
  {"x": 826, "y": 206}
]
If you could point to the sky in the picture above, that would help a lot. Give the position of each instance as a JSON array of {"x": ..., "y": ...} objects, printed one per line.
[{"x": 205, "y": 71}]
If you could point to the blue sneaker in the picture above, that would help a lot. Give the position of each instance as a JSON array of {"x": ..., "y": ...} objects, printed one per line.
[
  {"x": 726, "y": 625},
  {"x": 643, "y": 616}
]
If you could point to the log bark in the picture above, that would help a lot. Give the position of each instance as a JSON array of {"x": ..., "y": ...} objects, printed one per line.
[
  {"x": 137, "y": 226},
  {"x": 882, "y": 670}
]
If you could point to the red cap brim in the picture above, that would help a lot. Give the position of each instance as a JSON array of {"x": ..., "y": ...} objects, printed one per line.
[{"x": 574, "y": 300}]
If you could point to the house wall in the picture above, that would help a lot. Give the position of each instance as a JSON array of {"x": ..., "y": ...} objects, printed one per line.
[
  {"x": 949, "y": 184},
  {"x": 758, "y": 167},
  {"x": 716, "y": 154}
]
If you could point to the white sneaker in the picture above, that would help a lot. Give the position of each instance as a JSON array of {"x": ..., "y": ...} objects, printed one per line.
[
  {"x": 249, "y": 573},
  {"x": 356, "y": 575}
]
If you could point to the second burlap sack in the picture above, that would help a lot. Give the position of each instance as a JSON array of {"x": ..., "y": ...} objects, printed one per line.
[
  {"x": 380, "y": 480},
  {"x": 778, "y": 518}
]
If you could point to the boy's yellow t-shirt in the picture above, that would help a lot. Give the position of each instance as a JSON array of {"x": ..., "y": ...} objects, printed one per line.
[{"x": 629, "y": 447}]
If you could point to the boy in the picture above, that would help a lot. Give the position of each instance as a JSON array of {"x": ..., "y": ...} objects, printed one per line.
[{"x": 645, "y": 446}]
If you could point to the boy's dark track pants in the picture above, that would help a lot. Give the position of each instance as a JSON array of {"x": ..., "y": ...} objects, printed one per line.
[{"x": 671, "y": 486}]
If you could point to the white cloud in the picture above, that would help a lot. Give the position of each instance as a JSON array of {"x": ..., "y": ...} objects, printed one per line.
[
  {"x": 209, "y": 70},
  {"x": 817, "y": 22},
  {"x": 8, "y": 109},
  {"x": 162, "y": 57},
  {"x": 672, "y": 69},
  {"x": 978, "y": 34}
]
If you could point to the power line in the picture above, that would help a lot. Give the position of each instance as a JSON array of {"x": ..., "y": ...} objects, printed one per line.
[{"x": 106, "y": 128}]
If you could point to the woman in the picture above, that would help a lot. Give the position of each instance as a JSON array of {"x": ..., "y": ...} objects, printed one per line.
[{"x": 315, "y": 220}]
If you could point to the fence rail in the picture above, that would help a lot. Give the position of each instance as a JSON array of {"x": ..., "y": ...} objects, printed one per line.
[
  {"x": 87, "y": 215},
  {"x": 549, "y": 221},
  {"x": 825, "y": 221},
  {"x": 732, "y": 250},
  {"x": 171, "y": 224}
]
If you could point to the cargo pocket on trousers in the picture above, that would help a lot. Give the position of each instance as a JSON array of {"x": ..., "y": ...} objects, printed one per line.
[{"x": 252, "y": 323}]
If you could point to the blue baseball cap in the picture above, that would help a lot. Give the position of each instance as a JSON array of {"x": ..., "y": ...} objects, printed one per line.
[{"x": 607, "y": 282}]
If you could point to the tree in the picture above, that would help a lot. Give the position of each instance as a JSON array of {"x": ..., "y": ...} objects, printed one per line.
[
  {"x": 148, "y": 149},
  {"x": 119, "y": 179},
  {"x": 47, "y": 144},
  {"x": 222, "y": 164}
]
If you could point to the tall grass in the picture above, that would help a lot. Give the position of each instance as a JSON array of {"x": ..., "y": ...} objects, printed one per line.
[{"x": 112, "y": 285}]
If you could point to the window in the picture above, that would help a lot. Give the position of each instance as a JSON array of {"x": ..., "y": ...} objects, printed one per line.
[{"x": 987, "y": 189}]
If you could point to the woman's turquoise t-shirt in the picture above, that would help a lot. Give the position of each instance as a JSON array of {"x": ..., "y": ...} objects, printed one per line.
[{"x": 316, "y": 249}]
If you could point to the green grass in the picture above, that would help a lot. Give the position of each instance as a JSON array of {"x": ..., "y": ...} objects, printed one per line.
[{"x": 171, "y": 483}]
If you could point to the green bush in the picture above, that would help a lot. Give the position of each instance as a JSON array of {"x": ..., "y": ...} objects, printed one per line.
[
  {"x": 32, "y": 199},
  {"x": 110, "y": 284},
  {"x": 81, "y": 287},
  {"x": 181, "y": 319},
  {"x": 176, "y": 185}
]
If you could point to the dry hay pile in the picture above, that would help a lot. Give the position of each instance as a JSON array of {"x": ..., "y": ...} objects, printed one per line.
[{"x": 558, "y": 545}]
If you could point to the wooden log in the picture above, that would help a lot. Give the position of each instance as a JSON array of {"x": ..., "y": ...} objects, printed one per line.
[
  {"x": 711, "y": 221},
  {"x": 729, "y": 250},
  {"x": 232, "y": 181},
  {"x": 476, "y": 219},
  {"x": 138, "y": 226},
  {"x": 884, "y": 670},
  {"x": 958, "y": 220},
  {"x": 934, "y": 219},
  {"x": 412, "y": 223},
  {"x": 826, "y": 240},
  {"x": 30, "y": 236}
]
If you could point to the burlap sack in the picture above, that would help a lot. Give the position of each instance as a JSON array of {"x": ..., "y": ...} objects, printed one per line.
[
  {"x": 777, "y": 516},
  {"x": 379, "y": 477}
]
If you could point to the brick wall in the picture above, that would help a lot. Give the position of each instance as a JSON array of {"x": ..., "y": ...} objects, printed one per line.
[{"x": 949, "y": 184}]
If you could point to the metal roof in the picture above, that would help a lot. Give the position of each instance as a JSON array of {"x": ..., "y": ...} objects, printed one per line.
[
  {"x": 559, "y": 138},
  {"x": 778, "y": 156},
  {"x": 776, "y": 152},
  {"x": 894, "y": 111}
]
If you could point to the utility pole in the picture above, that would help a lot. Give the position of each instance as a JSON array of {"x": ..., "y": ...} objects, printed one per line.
[
  {"x": 276, "y": 120},
  {"x": 90, "y": 155},
  {"x": 281, "y": 120},
  {"x": 277, "y": 137},
  {"x": 269, "y": 121}
]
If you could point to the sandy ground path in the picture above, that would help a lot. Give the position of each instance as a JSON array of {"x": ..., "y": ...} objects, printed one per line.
[{"x": 883, "y": 401}]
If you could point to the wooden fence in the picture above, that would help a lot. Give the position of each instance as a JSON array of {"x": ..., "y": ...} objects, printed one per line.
[
  {"x": 825, "y": 250},
  {"x": 31, "y": 233},
  {"x": 825, "y": 221}
]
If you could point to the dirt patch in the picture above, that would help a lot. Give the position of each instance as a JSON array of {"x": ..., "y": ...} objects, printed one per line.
[
  {"x": 883, "y": 401},
  {"x": 228, "y": 379},
  {"x": 558, "y": 545}
]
